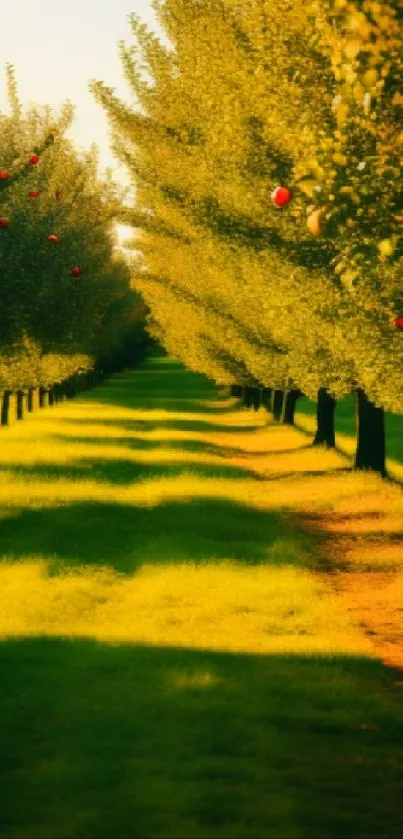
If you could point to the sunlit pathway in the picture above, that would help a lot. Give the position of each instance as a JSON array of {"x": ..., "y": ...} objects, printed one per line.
[{"x": 177, "y": 660}]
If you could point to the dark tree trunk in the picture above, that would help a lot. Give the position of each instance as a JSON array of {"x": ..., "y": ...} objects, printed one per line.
[
  {"x": 71, "y": 387},
  {"x": 257, "y": 398},
  {"x": 43, "y": 397},
  {"x": 325, "y": 409},
  {"x": 247, "y": 397},
  {"x": 20, "y": 404},
  {"x": 371, "y": 449},
  {"x": 51, "y": 396},
  {"x": 30, "y": 400},
  {"x": 5, "y": 407},
  {"x": 289, "y": 406},
  {"x": 59, "y": 392},
  {"x": 266, "y": 397},
  {"x": 277, "y": 404},
  {"x": 236, "y": 390}
]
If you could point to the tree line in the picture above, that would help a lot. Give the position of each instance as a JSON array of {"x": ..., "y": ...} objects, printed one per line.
[
  {"x": 265, "y": 149},
  {"x": 67, "y": 308}
]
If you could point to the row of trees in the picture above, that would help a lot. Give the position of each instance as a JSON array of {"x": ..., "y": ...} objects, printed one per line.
[
  {"x": 66, "y": 301},
  {"x": 305, "y": 297}
]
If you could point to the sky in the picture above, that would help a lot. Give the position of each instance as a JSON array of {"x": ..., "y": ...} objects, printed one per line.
[{"x": 57, "y": 46}]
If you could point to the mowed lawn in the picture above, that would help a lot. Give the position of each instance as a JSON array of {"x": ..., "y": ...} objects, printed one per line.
[{"x": 185, "y": 647}]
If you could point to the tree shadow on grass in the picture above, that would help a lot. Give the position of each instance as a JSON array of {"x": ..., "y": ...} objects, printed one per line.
[
  {"x": 125, "y": 537},
  {"x": 149, "y": 743},
  {"x": 144, "y": 401},
  {"x": 123, "y": 471},
  {"x": 152, "y": 423}
]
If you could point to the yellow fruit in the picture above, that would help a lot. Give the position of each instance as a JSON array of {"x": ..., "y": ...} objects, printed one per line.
[{"x": 315, "y": 222}]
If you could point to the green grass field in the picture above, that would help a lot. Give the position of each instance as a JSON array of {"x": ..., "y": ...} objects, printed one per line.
[{"x": 176, "y": 658}]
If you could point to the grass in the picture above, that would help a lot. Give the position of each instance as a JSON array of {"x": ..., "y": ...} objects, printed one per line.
[{"x": 196, "y": 611}]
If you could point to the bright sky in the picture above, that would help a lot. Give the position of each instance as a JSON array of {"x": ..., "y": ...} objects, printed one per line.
[{"x": 57, "y": 46}]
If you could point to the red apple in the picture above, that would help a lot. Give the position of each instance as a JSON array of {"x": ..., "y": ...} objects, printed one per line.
[
  {"x": 281, "y": 196},
  {"x": 3, "y": 174},
  {"x": 399, "y": 322},
  {"x": 53, "y": 238},
  {"x": 34, "y": 159},
  {"x": 33, "y": 194},
  {"x": 3, "y": 222},
  {"x": 76, "y": 271}
]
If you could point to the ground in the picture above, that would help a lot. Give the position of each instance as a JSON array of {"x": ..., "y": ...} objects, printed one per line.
[{"x": 200, "y": 623}]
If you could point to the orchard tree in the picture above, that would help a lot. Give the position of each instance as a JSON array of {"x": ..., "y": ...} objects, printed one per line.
[
  {"x": 205, "y": 185},
  {"x": 207, "y": 170},
  {"x": 60, "y": 269}
]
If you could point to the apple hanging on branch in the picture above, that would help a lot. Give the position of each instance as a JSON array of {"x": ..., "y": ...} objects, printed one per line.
[
  {"x": 281, "y": 196},
  {"x": 399, "y": 322},
  {"x": 53, "y": 238},
  {"x": 4, "y": 174},
  {"x": 76, "y": 271},
  {"x": 33, "y": 194},
  {"x": 4, "y": 222},
  {"x": 34, "y": 159}
]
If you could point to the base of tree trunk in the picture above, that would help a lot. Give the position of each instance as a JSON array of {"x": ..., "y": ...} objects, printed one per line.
[
  {"x": 20, "y": 405},
  {"x": 289, "y": 404},
  {"x": 277, "y": 404},
  {"x": 8, "y": 408},
  {"x": 266, "y": 397},
  {"x": 371, "y": 449},
  {"x": 248, "y": 397},
  {"x": 325, "y": 433},
  {"x": 43, "y": 397},
  {"x": 257, "y": 398}
]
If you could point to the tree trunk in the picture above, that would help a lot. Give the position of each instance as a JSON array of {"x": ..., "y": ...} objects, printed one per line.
[
  {"x": 236, "y": 390},
  {"x": 325, "y": 435},
  {"x": 43, "y": 397},
  {"x": 289, "y": 406},
  {"x": 5, "y": 407},
  {"x": 20, "y": 404},
  {"x": 370, "y": 452},
  {"x": 9, "y": 408},
  {"x": 266, "y": 397},
  {"x": 59, "y": 392},
  {"x": 51, "y": 396},
  {"x": 256, "y": 398},
  {"x": 247, "y": 397},
  {"x": 277, "y": 404},
  {"x": 33, "y": 399}
]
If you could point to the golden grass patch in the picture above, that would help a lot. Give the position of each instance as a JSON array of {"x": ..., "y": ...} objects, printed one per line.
[
  {"x": 254, "y": 610},
  {"x": 224, "y": 607}
]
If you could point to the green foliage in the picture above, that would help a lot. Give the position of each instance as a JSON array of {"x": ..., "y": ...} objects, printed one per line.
[
  {"x": 254, "y": 101},
  {"x": 45, "y": 308}
]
